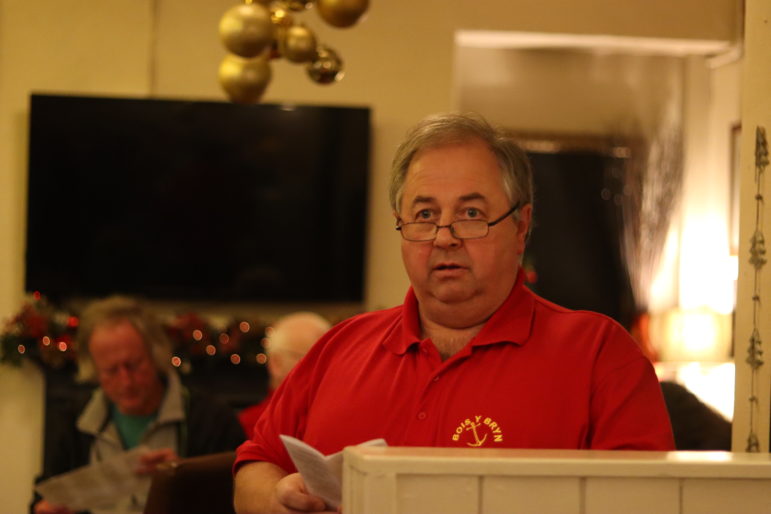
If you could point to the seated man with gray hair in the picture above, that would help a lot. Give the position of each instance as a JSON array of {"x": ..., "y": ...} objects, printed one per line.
[
  {"x": 287, "y": 341},
  {"x": 140, "y": 401}
]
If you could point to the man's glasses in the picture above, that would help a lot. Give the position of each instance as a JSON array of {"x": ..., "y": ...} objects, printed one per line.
[{"x": 461, "y": 229}]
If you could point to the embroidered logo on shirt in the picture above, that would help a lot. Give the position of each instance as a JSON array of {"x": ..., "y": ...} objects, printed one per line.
[{"x": 478, "y": 431}]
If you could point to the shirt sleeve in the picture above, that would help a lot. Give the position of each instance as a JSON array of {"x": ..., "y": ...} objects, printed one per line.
[
  {"x": 627, "y": 406},
  {"x": 287, "y": 411},
  {"x": 249, "y": 416},
  {"x": 284, "y": 414}
]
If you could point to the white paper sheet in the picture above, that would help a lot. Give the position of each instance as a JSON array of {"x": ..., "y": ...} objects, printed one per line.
[
  {"x": 98, "y": 485},
  {"x": 323, "y": 475}
]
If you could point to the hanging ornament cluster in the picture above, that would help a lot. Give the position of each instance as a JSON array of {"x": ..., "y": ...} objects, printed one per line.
[{"x": 258, "y": 31}]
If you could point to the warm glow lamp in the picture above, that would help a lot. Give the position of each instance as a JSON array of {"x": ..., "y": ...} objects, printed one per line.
[{"x": 693, "y": 335}]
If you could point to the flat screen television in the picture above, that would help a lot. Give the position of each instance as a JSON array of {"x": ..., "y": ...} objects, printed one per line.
[{"x": 196, "y": 200}]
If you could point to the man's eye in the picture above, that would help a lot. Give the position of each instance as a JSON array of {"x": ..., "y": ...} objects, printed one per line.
[{"x": 473, "y": 212}]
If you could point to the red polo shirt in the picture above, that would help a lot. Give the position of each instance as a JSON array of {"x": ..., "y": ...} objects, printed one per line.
[
  {"x": 249, "y": 415},
  {"x": 536, "y": 376}
]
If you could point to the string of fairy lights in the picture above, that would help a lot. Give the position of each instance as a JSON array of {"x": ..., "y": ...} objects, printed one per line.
[
  {"x": 46, "y": 335},
  {"x": 259, "y": 31}
]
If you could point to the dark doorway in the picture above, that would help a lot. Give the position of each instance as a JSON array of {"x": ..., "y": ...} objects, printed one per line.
[{"x": 575, "y": 246}]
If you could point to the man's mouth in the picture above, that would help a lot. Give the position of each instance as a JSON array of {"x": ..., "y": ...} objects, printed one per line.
[{"x": 447, "y": 266}]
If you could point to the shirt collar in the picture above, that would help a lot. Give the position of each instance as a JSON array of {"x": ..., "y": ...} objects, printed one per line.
[
  {"x": 510, "y": 323},
  {"x": 96, "y": 413}
]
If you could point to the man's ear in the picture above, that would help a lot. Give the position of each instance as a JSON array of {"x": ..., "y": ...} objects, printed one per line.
[
  {"x": 523, "y": 226},
  {"x": 274, "y": 364}
]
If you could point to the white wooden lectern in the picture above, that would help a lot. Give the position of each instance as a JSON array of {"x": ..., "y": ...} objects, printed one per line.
[{"x": 398, "y": 480}]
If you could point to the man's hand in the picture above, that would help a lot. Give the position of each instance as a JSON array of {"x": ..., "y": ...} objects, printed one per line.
[
  {"x": 292, "y": 494},
  {"x": 149, "y": 461},
  {"x": 43, "y": 507},
  {"x": 265, "y": 487}
]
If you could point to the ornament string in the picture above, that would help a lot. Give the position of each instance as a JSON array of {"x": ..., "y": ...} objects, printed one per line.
[{"x": 757, "y": 260}]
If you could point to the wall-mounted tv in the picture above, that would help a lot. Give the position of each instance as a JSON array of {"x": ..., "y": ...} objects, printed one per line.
[{"x": 196, "y": 200}]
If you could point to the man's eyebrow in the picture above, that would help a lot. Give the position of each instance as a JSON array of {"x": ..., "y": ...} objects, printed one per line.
[
  {"x": 465, "y": 198},
  {"x": 423, "y": 199},
  {"x": 472, "y": 196}
]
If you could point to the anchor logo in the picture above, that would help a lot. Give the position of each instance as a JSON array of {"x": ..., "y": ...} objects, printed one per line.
[
  {"x": 480, "y": 428},
  {"x": 477, "y": 442}
]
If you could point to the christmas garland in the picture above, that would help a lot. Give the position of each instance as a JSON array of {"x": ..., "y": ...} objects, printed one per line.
[{"x": 45, "y": 334}]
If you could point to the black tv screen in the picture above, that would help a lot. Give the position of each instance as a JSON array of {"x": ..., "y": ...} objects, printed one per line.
[{"x": 191, "y": 200}]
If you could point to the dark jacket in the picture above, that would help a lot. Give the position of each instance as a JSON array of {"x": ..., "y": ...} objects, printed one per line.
[{"x": 210, "y": 427}]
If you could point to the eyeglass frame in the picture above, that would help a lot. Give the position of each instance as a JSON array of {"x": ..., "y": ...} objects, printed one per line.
[{"x": 508, "y": 213}]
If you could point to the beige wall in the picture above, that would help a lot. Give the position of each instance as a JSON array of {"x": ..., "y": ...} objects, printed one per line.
[{"x": 399, "y": 62}]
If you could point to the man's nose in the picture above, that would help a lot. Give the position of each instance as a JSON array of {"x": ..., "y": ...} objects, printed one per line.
[
  {"x": 124, "y": 374},
  {"x": 445, "y": 236}
]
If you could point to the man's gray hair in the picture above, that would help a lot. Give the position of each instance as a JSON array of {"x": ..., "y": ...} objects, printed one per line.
[
  {"x": 443, "y": 129},
  {"x": 303, "y": 328},
  {"x": 112, "y": 311}
]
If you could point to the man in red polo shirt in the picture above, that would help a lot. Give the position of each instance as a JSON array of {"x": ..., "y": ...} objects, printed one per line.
[{"x": 472, "y": 358}]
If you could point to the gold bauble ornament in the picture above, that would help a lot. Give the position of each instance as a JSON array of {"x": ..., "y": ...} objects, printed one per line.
[
  {"x": 327, "y": 67},
  {"x": 298, "y": 44},
  {"x": 298, "y": 5},
  {"x": 244, "y": 80},
  {"x": 280, "y": 15},
  {"x": 246, "y": 30},
  {"x": 341, "y": 13}
]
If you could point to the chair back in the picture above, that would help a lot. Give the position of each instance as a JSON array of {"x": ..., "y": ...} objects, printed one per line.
[{"x": 193, "y": 485}]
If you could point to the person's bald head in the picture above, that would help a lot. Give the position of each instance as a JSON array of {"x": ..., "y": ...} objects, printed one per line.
[{"x": 289, "y": 339}]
